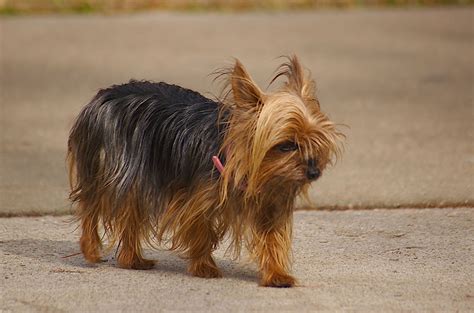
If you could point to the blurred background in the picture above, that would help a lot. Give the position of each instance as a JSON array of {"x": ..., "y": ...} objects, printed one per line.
[
  {"x": 113, "y": 6},
  {"x": 399, "y": 73}
]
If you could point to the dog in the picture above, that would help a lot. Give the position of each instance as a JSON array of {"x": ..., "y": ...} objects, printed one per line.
[{"x": 157, "y": 163}]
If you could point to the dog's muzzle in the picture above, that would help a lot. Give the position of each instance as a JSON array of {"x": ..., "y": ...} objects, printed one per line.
[{"x": 312, "y": 173}]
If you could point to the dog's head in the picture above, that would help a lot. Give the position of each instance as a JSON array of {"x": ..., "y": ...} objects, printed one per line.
[{"x": 277, "y": 140}]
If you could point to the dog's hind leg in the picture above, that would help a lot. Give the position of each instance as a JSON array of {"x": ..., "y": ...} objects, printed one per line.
[
  {"x": 202, "y": 241},
  {"x": 132, "y": 228},
  {"x": 90, "y": 241},
  {"x": 130, "y": 254}
]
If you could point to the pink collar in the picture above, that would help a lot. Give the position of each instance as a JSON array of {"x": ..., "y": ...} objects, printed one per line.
[{"x": 218, "y": 164}]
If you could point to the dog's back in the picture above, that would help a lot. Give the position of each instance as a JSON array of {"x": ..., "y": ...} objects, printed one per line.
[
  {"x": 131, "y": 148},
  {"x": 143, "y": 135}
]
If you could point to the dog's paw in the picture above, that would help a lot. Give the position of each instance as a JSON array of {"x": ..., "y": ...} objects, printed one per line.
[
  {"x": 204, "y": 270},
  {"x": 143, "y": 264},
  {"x": 278, "y": 281},
  {"x": 138, "y": 264}
]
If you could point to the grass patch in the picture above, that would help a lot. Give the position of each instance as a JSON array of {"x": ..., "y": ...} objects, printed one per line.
[
  {"x": 84, "y": 8},
  {"x": 9, "y": 11},
  {"x": 14, "y": 7}
]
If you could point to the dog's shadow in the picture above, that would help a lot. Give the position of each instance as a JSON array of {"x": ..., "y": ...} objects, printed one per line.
[{"x": 63, "y": 252}]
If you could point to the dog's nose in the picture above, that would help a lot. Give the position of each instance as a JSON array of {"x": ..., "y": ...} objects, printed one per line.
[{"x": 313, "y": 173}]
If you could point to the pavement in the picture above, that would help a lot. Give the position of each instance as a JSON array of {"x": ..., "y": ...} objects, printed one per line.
[
  {"x": 401, "y": 79},
  {"x": 405, "y": 260}
]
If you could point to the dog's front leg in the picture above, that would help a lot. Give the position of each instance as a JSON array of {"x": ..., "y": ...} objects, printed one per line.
[{"x": 272, "y": 250}]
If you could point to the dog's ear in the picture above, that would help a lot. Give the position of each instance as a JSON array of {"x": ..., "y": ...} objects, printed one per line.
[
  {"x": 246, "y": 93},
  {"x": 297, "y": 80}
]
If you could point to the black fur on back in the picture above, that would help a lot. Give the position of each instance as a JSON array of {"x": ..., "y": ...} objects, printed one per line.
[{"x": 146, "y": 138}]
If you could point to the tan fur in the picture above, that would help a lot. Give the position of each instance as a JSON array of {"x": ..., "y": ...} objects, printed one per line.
[{"x": 252, "y": 200}]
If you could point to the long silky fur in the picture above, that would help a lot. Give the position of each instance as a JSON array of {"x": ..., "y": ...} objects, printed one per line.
[
  {"x": 134, "y": 147},
  {"x": 140, "y": 167}
]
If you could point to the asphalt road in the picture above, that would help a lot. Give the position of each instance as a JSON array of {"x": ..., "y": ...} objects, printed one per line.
[
  {"x": 407, "y": 260},
  {"x": 401, "y": 79}
]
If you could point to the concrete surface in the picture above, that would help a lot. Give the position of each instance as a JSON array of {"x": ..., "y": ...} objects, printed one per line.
[
  {"x": 407, "y": 260},
  {"x": 401, "y": 79}
]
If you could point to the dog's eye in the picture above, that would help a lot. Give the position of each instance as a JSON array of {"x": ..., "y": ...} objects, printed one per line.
[{"x": 288, "y": 146}]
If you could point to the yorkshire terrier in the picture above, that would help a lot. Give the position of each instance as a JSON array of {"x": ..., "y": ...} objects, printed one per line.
[{"x": 153, "y": 162}]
